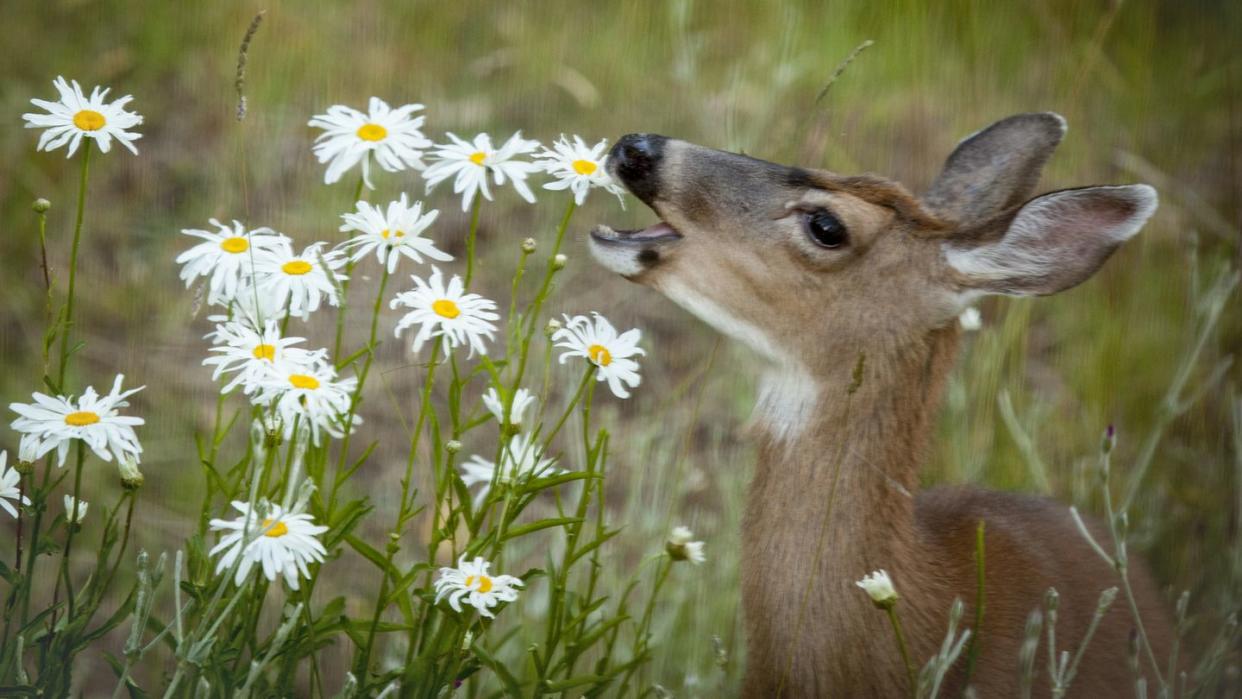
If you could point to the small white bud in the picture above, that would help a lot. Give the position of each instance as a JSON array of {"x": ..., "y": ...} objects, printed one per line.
[
  {"x": 681, "y": 548},
  {"x": 452, "y": 446},
  {"x": 72, "y": 514},
  {"x": 970, "y": 319},
  {"x": 552, "y": 326},
  {"x": 528, "y": 246},
  {"x": 880, "y": 588},
  {"x": 559, "y": 261},
  {"x": 131, "y": 477}
]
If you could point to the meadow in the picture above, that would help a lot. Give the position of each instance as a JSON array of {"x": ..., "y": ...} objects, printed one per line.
[{"x": 1152, "y": 92}]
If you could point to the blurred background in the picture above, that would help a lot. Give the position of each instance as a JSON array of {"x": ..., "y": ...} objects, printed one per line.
[{"x": 1152, "y": 93}]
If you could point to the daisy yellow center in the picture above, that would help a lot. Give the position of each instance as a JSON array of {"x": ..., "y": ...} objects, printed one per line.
[
  {"x": 296, "y": 267},
  {"x": 81, "y": 419},
  {"x": 585, "y": 167},
  {"x": 304, "y": 381},
  {"x": 477, "y": 157},
  {"x": 485, "y": 583},
  {"x": 267, "y": 352},
  {"x": 235, "y": 245},
  {"x": 600, "y": 355},
  {"x": 391, "y": 234},
  {"x": 89, "y": 120},
  {"x": 274, "y": 529},
  {"x": 445, "y": 308},
  {"x": 372, "y": 132}
]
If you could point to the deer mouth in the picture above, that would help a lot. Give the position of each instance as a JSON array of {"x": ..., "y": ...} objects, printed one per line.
[{"x": 645, "y": 237}]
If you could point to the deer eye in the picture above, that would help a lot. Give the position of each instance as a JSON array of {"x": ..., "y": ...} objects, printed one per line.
[{"x": 826, "y": 229}]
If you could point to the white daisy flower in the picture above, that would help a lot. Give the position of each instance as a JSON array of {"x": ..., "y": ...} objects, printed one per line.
[
  {"x": 470, "y": 162},
  {"x": 391, "y": 233},
  {"x": 447, "y": 312},
  {"x": 599, "y": 343},
  {"x": 250, "y": 354},
  {"x": 681, "y": 548},
  {"x": 970, "y": 319},
  {"x": 77, "y": 115},
  {"x": 225, "y": 257},
  {"x": 75, "y": 510},
  {"x": 53, "y": 422},
  {"x": 521, "y": 460},
  {"x": 578, "y": 167},
  {"x": 522, "y": 401},
  {"x": 10, "y": 486},
  {"x": 470, "y": 581},
  {"x": 281, "y": 542},
  {"x": 880, "y": 588},
  {"x": 308, "y": 396},
  {"x": 299, "y": 282},
  {"x": 350, "y": 137}
]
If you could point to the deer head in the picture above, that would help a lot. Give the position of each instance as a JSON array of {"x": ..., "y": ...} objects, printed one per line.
[{"x": 807, "y": 267}]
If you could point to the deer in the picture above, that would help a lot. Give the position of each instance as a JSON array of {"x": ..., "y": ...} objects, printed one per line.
[{"x": 812, "y": 269}]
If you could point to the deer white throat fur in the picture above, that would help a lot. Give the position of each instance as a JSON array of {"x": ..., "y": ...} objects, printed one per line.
[{"x": 849, "y": 288}]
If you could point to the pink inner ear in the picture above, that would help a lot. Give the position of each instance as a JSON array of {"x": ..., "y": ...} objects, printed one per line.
[{"x": 1056, "y": 241}]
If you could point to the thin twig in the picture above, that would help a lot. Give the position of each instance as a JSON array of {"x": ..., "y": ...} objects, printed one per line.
[{"x": 242, "y": 53}]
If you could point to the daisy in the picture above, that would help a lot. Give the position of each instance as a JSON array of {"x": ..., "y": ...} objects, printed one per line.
[
  {"x": 77, "y": 115},
  {"x": 53, "y": 422},
  {"x": 522, "y": 459},
  {"x": 681, "y": 548},
  {"x": 470, "y": 581},
  {"x": 471, "y": 161},
  {"x": 307, "y": 396},
  {"x": 880, "y": 588},
  {"x": 299, "y": 281},
  {"x": 10, "y": 486},
  {"x": 446, "y": 312},
  {"x": 225, "y": 257},
  {"x": 250, "y": 354},
  {"x": 578, "y": 168},
  {"x": 522, "y": 400},
  {"x": 75, "y": 510},
  {"x": 281, "y": 542},
  {"x": 392, "y": 136},
  {"x": 598, "y": 343},
  {"x": 391, "y": 233}
]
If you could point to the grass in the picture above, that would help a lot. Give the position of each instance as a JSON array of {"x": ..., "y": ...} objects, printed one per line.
[{"x": 1148, "y": 89}]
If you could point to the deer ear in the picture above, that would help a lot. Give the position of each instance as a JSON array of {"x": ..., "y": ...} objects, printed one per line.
[
  {"x": 1051, "y": 243},
  {"x": 996, "y": 168}
]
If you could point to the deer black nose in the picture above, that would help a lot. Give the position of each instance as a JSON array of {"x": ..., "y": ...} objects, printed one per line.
[{"x": 635, "y": 160}]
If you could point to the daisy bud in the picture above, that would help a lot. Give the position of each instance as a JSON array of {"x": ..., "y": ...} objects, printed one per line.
[
  {"x": 528, "y": 246},
  {"x": 452, "y": 446},
  {"x": 41, "y": 205},
  {"x": 24, "y": 467},
  {"x": 559, "y": 262},
  {"x": 1110, "y": 439},
  {"x": 552, "y": 326},
  {"x": 880, "y": 588},
  {"x": 131, "y": 477},
  {"x": 467, "y": 640},
  {"x": 70, "y": 510},
  {"x": 681, "y": 548}
]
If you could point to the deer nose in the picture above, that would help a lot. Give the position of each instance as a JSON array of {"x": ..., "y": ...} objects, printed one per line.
[{"x": 635, "y": 160}]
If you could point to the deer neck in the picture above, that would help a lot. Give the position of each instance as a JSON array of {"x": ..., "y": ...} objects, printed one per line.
[{"x": 833, "y": 499}]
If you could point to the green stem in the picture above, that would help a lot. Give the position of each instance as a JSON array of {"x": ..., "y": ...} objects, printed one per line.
[
  {"x": 975, "y": 642},
  {"x": 41, "y": 506},
  {"x": 475, "y": 207},
  {"x": 349, "y": 269},
  {"x": 73, "y": 526},
  {"x": 73, "y": 266},
  {"x": 901, "y": 645}
]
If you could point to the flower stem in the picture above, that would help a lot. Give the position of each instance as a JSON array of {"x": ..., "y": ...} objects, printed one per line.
[
  {"x": 73, "y": 526},
  {"x": 901, "y": 645},
  {"x": 73, "y": 266},
  {"x": 349, "y": 270},
  {"x": 475, "y": 207}
]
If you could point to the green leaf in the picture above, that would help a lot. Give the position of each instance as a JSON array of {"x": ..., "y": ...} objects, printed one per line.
[
  {"x": 553, "y": 481},
  {"x": 371, "y": 554},
  {"x": 571, "y": 682},
  {"x": 525, "y": 529},
  {"x": 510, "y": 682}
]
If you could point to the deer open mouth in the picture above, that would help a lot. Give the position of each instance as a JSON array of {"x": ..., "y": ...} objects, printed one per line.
[{"x": 646, "y": 237}]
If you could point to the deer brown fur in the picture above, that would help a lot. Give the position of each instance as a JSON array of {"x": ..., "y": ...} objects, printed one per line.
[{"x": 836, "y": 494}]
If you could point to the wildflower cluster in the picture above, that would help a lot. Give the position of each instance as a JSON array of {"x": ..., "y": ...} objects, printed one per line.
[{"x": 281, "y": 510}]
